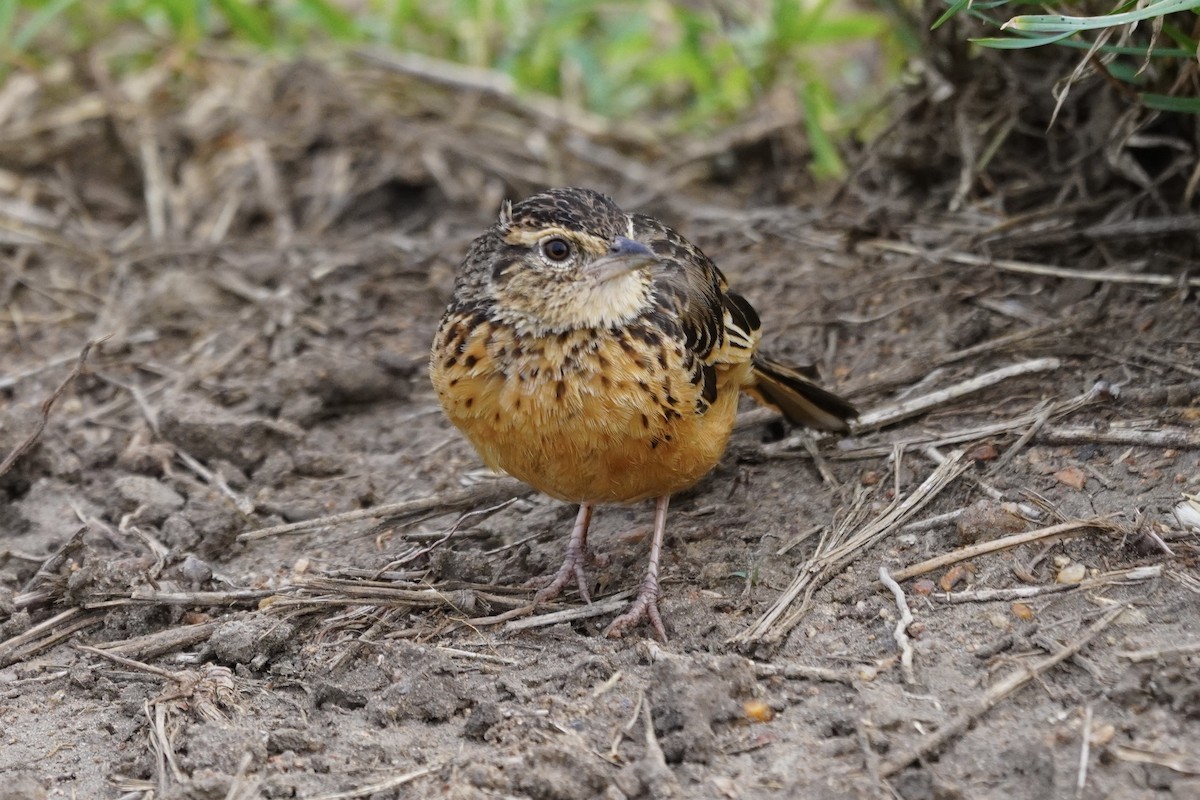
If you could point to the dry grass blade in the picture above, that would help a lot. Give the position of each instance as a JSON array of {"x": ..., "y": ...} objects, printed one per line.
[
  {"x": 1032, "y": 417},
  {"x": 46, "y": 634},
  {"x": 152, "y": 645},
  {"x": 449, "y": 502},
  {"x": 1175, "y": 438},
  {"x": 379, "y": 787},
  {"x": 1004, "y": 543},
  {"x": 955, "y": 726},
  {"x": 1026, "y": 268},
  {"x": 319, "y": 591},
  {"x": 1184, "y": 763},
  {"x": 597, "y": 609},
  {"x": 910, "y": 407},
  {"x": 1132, "y": 575},
  {"x": 835, "y": 552},
  {"x": 48, "y": 406}
]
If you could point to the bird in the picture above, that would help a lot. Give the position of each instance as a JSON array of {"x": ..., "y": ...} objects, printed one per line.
[{"x": 598, "y": 356}]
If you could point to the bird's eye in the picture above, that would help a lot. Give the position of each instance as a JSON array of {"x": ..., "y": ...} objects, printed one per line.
[{"x": 556, "y": 249}]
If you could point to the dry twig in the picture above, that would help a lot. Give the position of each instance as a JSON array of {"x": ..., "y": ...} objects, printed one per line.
[
  {"x": 900, "y": 632},
  {"x": 48, "y": 405},
  {"x": 486, "y": 492},
  {"x": 1027, "y": 268},
  {"x": 965, "y": 553}
]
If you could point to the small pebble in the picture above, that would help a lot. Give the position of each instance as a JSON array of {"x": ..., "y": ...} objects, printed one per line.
[{"x": 1072, "y": 573}]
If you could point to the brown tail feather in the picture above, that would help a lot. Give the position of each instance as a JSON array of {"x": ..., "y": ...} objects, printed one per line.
[{"x": 798, "y": 398}]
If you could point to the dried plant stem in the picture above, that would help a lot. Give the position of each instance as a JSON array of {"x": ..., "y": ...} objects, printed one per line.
[
  {"x": 449, "y": 502},
  {"x": 1028, "y": 268},
  {"x": 48, "y": 405},
  {"x": 995, "y": 545}
]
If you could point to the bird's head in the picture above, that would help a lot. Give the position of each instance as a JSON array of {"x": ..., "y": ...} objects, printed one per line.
[{"x": 562, "y": 260}]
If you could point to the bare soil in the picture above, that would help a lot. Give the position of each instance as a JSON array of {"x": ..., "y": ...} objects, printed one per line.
[{"x": 268, "y": 249}]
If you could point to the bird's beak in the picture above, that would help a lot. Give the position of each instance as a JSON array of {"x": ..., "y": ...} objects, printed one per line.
[{"x": 625, "y": 256}]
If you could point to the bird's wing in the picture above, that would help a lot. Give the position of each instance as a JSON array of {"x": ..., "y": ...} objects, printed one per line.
[{"x": 718, "y": 326}]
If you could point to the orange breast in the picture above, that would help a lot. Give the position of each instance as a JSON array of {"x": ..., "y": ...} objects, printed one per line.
[{"x": 581, "y": 417}]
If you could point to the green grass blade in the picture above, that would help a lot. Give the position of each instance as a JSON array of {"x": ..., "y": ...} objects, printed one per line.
[
  {"x": 1165, "y": 102},
  {"x": 248, "y": 21},
  {"x": 1015, "y": 43},
  {"x": 827, "y": 163},
  {"x": 331, "y": 19},
  {"x": 1057, "y": 23},
  {"x": 40, "y": 19},
  {"x": 958, "y": 6}
]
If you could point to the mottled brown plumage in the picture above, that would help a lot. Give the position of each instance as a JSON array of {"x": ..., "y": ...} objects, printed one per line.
[{"x": 598, "y": 356}]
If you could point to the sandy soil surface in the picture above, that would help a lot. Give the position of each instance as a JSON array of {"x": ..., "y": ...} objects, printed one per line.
[{"x": 268, "y": 253}]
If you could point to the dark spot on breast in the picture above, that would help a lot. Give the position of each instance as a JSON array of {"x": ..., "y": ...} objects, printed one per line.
[
  {"x": 653, "y": 443},
  {"x": 604, "y": 381},
  {"x": 601, "y": 361},
  {"x": 560, "y": 388},
  {"x": 502, "y": 352},
  {"x": 645, "y": 387},
  {"x": 645, "y": 421},
  {"x": 470, "y": 361},
  {"x": 470, "y": 401},
  {"x": 454, "y": 381},
  {"x": 671, "y": 401},
  {"x": 517, "y": 405},
  {"x": 451, "y": 361}
]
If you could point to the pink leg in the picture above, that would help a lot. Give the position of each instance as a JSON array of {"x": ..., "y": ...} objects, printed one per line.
[
  {"x": 572, "y": 565},
  {"x": 646, "y": 604}
]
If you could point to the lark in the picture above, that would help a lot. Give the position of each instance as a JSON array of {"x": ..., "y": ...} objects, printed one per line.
[{"x": 598, "y": 356}]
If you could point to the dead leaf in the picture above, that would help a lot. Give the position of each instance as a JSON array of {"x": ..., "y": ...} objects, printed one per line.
[{"x": 1071, "y": 476}]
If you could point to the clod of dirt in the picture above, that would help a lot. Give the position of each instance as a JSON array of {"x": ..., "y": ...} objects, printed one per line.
[
  {"x": 422, "y": 696},
  {"x": 971, "y": 330},
  {"x": 251, "y": 640},
  {"x": 206, "y": 524},
  {"x": 155, "y": 500},
  {"x": 687, "y": 698},
  {"x": 294, "y": 739},
  {"x": 482, "y": 719},
  {"x": 557, "y": 773},
  {"x": 22, "y": 786},
  {"x": 331, "y": 694},
  {"x": 209, "y": 432},
  {"x": 332, "y": 381},
  {"x": 194, "y": 571},
  {"x": 220, "y": 745},
  {"x": 985, "y": 520},
  {"x": 1171, "y": 682}
]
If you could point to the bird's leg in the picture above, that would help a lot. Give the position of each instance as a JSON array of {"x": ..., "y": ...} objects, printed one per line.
[
  {"x": 572, "y": 565},
  {"x": 646, "y": 604}
]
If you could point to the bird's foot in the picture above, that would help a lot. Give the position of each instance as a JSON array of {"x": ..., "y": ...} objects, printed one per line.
[
  {"x": 572, "y": 567},
  {"x": 644, "y": 607}
]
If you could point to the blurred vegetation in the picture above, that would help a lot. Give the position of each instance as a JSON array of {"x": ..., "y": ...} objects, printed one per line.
[
  {"x": 1148, "y": 50},
  {"x": 688, "y": 67}
]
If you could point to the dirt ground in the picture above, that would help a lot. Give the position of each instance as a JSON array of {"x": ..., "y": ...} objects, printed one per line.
[{"x": 268, "y": 249}]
